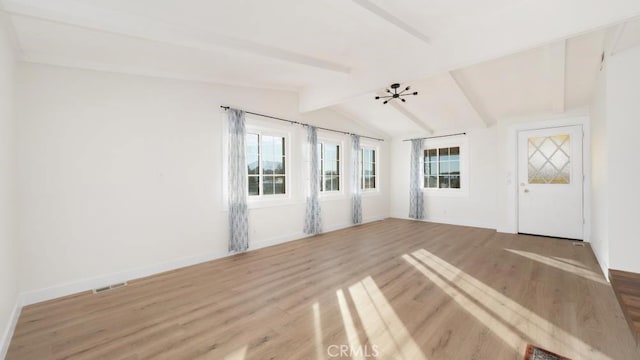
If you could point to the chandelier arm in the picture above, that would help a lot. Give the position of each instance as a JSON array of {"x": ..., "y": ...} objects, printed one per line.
[{"x": 394, "y": 93}]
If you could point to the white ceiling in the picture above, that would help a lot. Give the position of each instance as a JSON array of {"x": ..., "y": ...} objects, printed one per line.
[{"x": 340, "y": 53}]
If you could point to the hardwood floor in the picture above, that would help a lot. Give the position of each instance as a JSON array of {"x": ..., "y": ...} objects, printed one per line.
[
  {"x": 390, "y": 289},
  {"x": 626, "y": 286}
]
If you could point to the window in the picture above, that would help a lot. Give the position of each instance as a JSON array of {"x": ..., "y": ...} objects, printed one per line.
[
  {"x": 266, "y": 160},
  {"x": 442, "y": 168},
  {"x": 368, "y": 174},
  {"x": 329, "y": 159}
]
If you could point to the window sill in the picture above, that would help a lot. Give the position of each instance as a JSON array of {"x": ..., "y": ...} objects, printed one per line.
[
  {"x": 368, "y": 193},
  {"x": 446, "y": 192},
  {"x": 333, "y": 196},
  {"x": 270, "y": 202}
]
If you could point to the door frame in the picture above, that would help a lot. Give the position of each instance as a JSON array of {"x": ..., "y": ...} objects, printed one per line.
[{"x": 512, "y": 167}]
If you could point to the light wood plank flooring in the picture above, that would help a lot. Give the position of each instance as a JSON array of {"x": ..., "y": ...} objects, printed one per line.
[
  {"x": 390, "y": 289},
  {"x": 626, "y": 286}
]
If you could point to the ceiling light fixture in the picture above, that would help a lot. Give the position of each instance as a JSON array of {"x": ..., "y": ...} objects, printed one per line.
[{"x": 395, "y": 94}]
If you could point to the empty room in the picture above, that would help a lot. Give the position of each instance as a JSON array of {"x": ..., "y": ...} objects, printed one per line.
[{"x": 319, "y": 179}]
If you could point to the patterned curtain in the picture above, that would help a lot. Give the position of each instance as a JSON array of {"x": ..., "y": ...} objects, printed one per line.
[
  {"x": 238, "y": 214},
  {"x": 312, "y": 223},
  {"x": 356, "y": 197},
  {"x": 416, "y": 197}
]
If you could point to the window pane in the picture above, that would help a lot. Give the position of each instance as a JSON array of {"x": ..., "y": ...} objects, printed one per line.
[
  {"x": 455, "y": 182},
  {"x": 279, "y": 185},
  {"x": 454, "y": 167},
  {"x": 433, "y": 153},
  {"x": 254, "y": 185},
  {"x": 433, "y": 182},
  {"x": 444, "y": 167},
  {"x": 549, "y": 160},
  {"x": 444, "y": 181},
  {"x": 267, "y": 185},
  {"x": 252, "y": 143},
  {"x": 272, "y": 154},
  {"x": 426, "y": 181},
  {"x": 368, "y": 173},
  {"x": 267, "y": 147},
  {"x": 444, "y": 154},
  {"x": 454, "y": 153},
  {"x": 278, "y": 146},
  {"x": 280, "y": 167},
  {"x": 331, "y": 152},
  {"x": 253, "y": 165},
  {"x": 332, "y": 183},
  {"x": 433, "y": 168}
]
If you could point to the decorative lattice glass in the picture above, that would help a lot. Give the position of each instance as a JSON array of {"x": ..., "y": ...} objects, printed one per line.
[{"x": 549, "y": 160}]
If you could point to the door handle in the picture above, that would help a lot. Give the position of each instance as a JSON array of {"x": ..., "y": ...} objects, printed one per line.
[{"x": 526, "y": 190}]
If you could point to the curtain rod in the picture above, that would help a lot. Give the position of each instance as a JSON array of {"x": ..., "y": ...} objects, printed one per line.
[
  {"x": 434, "y": 137},
  {"x": 303, "y": 124}
]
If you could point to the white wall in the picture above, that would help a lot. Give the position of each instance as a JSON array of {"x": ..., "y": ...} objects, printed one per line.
[
  {"x": 622, "y": 165},
  {"x": 8, "y": 170},
  {"x": 506, "y": 170},
  {"x": 600, "y": 174},
  {"x": 491, "y": 200},
  {"x": 122, "y": 175},
  {"x": 476, "y": 208}
]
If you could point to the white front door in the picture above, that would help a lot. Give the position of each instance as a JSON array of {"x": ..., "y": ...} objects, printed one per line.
[{"x": 550, "y": 182}]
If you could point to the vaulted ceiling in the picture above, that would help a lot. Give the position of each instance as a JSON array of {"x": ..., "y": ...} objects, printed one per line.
[{"x": 473, "y": 62}]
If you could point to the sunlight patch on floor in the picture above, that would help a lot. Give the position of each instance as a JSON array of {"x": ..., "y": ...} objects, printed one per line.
[
  {"x": 239, "y": 354},
  {"x": 317, "y": 326},
  {"x": 508, "y": 336},
  {"x": 540, "y": 330},
  {"x": 561, "y": 265},
  {"x": 349, "y": 325},
  {"x": 381, "y": 323},
  {"x": 570, "y": 261}
]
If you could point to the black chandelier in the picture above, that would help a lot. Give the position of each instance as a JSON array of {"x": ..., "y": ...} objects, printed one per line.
[{"x": 395, "y": 94}]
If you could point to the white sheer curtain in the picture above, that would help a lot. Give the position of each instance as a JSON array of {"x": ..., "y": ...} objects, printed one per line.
[
  {"x": 416, "y": 197},
  {"x": 356, "y": 196},
  {"x": 238, "y": 215},
  {"x": 312, "y": 221}
]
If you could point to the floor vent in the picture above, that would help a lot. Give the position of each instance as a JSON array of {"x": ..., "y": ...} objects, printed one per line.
[
  {"x": 110, "y": 287},
  {"x": 578, "y": 243}
]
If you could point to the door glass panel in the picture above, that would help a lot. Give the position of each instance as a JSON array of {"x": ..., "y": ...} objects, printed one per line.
[{"x": 549, "y": 160}]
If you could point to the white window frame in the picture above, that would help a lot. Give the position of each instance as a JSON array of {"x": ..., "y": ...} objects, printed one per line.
[
  {"x": 376, "y": 148},
  {"x": 457, "y": 141},
  {"x": 325, "y": 139},
  {"x": 271, "y": 199}
]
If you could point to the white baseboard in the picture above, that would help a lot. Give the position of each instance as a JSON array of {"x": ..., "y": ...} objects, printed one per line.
[
  {"x": 457, "y": 222},
  {"x": 53, "y": 292},
  {"x": 297, "y": 236},
  {"x": 74, "y": 287},
  {"x": 10, "y": 328}
]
